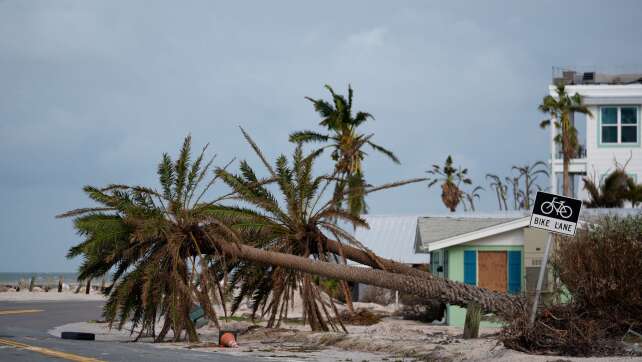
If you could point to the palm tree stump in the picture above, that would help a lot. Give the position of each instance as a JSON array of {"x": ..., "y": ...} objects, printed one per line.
[{"x": 473, "y": 318}]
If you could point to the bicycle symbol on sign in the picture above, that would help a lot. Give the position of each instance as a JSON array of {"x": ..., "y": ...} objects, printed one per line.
[{"x": 560, "y": 209}]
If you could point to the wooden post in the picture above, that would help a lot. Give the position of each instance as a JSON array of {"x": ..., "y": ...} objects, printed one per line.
[
  {"x": 60, "y": 281},
  {"x": 396, "y": 300},
  {"x": 31, "y": 283},
  {"x": 88, "y": 286},
  {"x": 473, "y": 318}
]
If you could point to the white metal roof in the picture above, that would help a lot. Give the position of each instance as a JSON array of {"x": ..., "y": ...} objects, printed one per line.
[
  {"x": 392, "y": 237},
  {"x": 409, "y": 238}
]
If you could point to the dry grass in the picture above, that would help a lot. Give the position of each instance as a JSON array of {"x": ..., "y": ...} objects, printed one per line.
[{"x": 601, "y": 269}]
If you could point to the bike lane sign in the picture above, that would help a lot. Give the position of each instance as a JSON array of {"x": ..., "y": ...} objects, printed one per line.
[{"x": 555, "y": 213}]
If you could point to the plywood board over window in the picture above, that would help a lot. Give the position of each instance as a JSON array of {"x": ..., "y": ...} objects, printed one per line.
[{"x": 492, "y": 267}]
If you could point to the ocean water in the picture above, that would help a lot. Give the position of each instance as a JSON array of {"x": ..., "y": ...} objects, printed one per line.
[{"x": 41, "y": 278}]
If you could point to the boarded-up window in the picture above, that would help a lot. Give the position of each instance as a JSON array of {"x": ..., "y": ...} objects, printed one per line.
[{"x": 493, "y": 270}]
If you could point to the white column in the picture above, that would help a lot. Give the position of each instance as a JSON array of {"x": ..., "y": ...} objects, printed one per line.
[{"x": 553, "y": 176}]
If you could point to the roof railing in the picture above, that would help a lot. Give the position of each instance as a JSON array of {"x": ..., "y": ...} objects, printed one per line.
[{"x": 597, "y": 75}]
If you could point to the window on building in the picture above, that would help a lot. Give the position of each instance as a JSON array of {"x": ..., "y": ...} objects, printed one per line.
[
  {"x": 619, "y": 125},
  {"x": 629, "y": 117}
]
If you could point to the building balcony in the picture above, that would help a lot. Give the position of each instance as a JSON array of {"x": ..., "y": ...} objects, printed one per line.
[
  {"x": 577, "y": 165},
  {"x": 581, "y": 153}
]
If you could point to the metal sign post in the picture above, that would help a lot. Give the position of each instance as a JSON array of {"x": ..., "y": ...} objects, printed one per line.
[
  {"x": 559, "y": 215},
  {"x": 540, "y": 280}
]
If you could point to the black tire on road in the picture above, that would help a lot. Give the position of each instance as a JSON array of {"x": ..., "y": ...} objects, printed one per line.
[{"x": 78, "y": 336}]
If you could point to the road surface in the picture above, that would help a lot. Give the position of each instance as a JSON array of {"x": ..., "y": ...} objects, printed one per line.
[{"x": 23, "y": 337}]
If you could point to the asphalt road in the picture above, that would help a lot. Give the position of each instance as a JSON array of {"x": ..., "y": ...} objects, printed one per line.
[{"x": 29, "y": 330}]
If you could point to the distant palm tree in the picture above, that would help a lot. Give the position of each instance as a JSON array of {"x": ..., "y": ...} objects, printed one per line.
[
  {"x": 613, "y": 191},
  {"x": 529, "y": 173},
  {"x": 500, "y": 189},
  {"x": 346, "y": 144},
  {"x": 470, "y": 198},
  {"x": 517, "y": 193},
  {"x": 451, "y": 179},
  {"x": 561, "y": 108}
]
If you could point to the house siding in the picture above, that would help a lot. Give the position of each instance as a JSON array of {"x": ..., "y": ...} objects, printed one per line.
[
  {"x": 456, "y": 315},
  {"x": 600, "y": 158}
]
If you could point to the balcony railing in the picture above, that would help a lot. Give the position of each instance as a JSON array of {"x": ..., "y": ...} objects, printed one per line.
[
  {"x": 581, "y": 153},
  {"x": 620, "y": 74}
]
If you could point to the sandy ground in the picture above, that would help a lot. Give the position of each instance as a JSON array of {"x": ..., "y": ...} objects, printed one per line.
[
  {"x": 52, "y": 295},
  {"x": 392, "y": 339}
]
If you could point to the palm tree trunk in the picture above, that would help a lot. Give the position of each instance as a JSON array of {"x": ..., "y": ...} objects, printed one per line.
[
  {"x": 566, "y": 177},
  {"x": 347, "y": 295},
  {"x": 363, "y": 257},
  {"x": 504, "y": 198},
  {"x": 443, "y": 290}
]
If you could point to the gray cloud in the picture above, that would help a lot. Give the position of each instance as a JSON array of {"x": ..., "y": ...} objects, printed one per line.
[{"x": 93, "y": 93}]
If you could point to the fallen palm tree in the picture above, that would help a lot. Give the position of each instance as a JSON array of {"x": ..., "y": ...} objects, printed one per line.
[
  {"x": 443, "y": 290},
  {"x": 171, "y": 250}
]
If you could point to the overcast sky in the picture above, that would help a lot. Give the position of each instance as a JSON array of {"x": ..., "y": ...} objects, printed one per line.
[{"x": 95, "y": 92}]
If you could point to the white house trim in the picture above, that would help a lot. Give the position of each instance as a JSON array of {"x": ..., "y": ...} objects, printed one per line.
[
  {"x": 601, "y": 90},
  {"x": 479, "y": 234}
]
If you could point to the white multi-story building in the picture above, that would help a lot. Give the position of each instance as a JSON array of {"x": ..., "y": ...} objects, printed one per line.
[{"x": 610, "y": 137}]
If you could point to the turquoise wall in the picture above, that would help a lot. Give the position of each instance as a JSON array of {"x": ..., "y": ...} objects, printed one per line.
[{"x": 456, "y": 315}]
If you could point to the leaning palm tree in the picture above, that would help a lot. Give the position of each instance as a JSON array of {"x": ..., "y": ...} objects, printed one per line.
[
  {"x": 150, "y": 238},
  {"x": 613, "y": 191},
  {"x": 295, "y": 218},
  {"x": 530, "y": 174},
  {"x": 346, "y": 143},
  {"x": 561, "y": 108},
  {"x": 451, "y": 178},
  {"x": 432, "y": 288},
  {"x": 500, "y": 190}
]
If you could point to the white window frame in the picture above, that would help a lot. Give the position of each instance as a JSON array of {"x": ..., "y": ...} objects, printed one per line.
[{"x": 618, "y": 126}]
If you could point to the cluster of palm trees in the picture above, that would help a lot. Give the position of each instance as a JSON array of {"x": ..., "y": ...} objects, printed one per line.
[
  {"x": 520, "y": 187},
  {"x": 268, "y": 237}
]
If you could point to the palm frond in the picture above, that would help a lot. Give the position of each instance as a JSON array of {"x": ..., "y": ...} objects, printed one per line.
[{"x": 258, "y": 151}]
